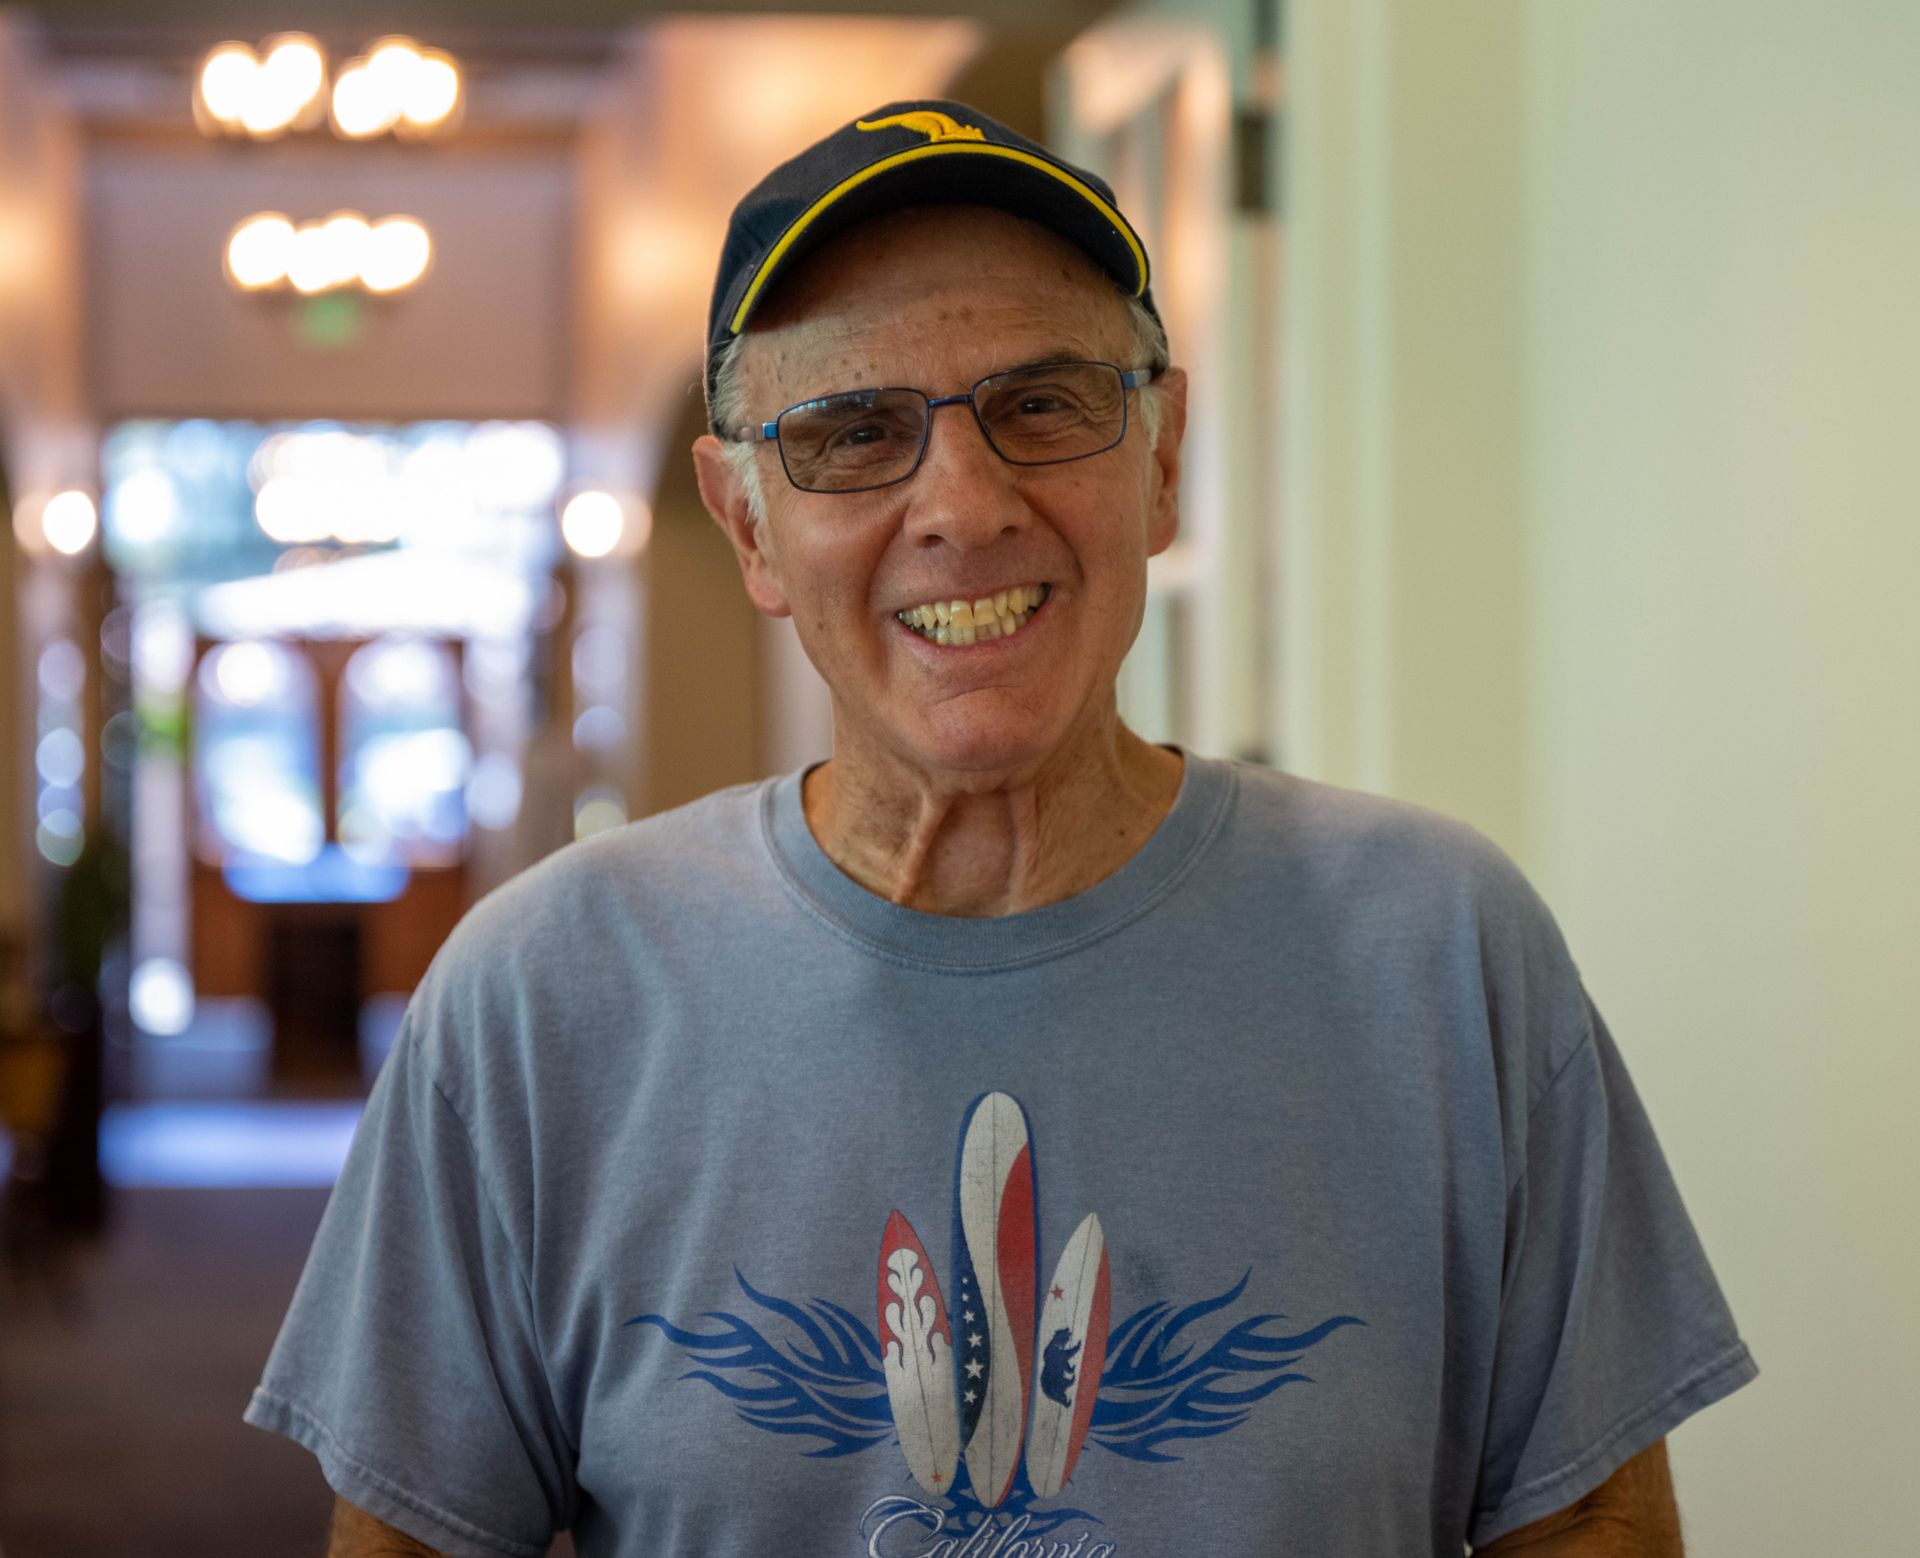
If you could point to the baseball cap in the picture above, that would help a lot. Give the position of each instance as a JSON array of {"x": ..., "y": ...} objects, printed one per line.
[{"x": 929, "y": 152}]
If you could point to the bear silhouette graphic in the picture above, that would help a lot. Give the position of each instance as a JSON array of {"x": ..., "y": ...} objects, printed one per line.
[{"x": 1056, "y": 1370}]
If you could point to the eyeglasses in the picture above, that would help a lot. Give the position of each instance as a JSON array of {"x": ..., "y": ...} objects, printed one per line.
[{"x": 1041, "y": 415}]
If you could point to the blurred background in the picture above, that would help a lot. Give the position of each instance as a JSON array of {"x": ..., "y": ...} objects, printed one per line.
[{"x": 1552, "y": 464}]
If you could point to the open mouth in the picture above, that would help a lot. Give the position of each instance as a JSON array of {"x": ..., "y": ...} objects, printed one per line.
[{"x": 963, "y": 622}]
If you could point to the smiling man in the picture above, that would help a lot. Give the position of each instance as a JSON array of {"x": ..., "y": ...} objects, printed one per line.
[
  {"x": 967, "y": 595},
  {"x": 1007, "y": 1137}
]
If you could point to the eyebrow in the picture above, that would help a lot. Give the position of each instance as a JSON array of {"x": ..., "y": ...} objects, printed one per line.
[
  {"x": 1049, "y": 360},
  {"x": 1052, "y": 359}
]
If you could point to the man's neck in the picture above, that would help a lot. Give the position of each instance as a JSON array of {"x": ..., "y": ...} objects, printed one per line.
[{"x": 978, "y": 854}]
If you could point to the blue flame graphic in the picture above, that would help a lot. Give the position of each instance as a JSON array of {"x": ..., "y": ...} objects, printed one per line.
[
  {"x": 1147, "y": 1398},
  {"x": 827, "y": 1383}
]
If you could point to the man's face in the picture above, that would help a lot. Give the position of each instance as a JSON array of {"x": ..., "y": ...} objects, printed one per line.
[{"x": 936, "y": 299}]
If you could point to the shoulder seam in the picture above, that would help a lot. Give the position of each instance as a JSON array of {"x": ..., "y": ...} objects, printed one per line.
[{"x": 1547, "y": 1091}]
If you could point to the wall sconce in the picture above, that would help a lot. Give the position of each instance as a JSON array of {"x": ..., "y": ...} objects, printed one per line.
[
  {"x": 268, "y": 253},
  {"x": 396, "y": 85}
]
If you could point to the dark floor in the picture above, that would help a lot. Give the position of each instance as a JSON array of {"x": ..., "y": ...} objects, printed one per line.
[{"x": 121, "y": 1387}]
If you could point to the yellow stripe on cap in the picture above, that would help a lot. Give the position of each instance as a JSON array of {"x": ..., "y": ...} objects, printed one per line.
[{"x": 945, "y": 148}]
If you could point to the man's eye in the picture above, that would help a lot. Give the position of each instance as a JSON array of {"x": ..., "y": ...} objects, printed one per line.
[
  {"x": 1035, "y": 405},
  {"x": 1039, "y": 403},
  {"x": 866, "y": 433}
]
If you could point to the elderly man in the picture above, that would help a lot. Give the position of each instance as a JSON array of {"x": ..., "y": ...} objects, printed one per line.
[{"x": 1008, "y": 1137}]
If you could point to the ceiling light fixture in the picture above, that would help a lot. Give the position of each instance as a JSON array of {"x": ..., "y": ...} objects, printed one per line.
[
  {"x": 268, "y": 253},
  {"x": 397, "y": 86},
  {"x": 394, "y": 86},
  {"x": 262, "y": 93}
]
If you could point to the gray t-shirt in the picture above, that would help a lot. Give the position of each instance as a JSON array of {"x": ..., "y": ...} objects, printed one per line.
[{"x": 1282, "y": 1193}]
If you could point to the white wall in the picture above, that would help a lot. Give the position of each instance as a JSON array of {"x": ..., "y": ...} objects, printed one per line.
[
  {"x": 1724, "y": 249},
  {"x": 1402, "y": 632},
  {"x": 1602, "y": 533}
]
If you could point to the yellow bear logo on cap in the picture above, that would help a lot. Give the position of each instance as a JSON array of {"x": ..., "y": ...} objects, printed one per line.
[{"x": 935, "y": 126}]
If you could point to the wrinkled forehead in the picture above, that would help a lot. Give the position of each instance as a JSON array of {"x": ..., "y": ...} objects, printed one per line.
[{"x": 959, "y": 290}]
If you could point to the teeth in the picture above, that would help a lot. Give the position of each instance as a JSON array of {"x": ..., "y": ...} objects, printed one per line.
[{"x": 969, "y": 622}]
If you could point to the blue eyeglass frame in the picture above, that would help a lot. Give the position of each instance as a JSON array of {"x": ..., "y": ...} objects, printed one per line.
[{"x": 1130, "y": 379}]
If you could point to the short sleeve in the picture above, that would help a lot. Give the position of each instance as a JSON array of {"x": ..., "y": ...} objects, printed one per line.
[
  {"x": 408, "y": 1362},
  {"x": 1613, "y": 1330}
]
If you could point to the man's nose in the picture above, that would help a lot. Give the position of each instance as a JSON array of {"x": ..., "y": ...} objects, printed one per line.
[{"x": 963, "y": 493}]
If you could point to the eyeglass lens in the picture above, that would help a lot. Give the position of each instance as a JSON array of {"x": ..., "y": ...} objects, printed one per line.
[{"x": 1032, "y": 416}]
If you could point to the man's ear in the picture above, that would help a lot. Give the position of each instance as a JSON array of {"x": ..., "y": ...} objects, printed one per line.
[
  {"x": 1163, "y": 522},
  {"x": 725, "y": 496}
]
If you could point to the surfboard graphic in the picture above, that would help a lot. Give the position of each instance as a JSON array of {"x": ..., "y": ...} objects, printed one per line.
[
  {"x": 1073, "y": 1351},
  {"x": 996, "y": 1229},
  {"x": 916, "y": 1351}
]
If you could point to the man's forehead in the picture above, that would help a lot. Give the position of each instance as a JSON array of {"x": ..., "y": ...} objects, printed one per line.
[
  {"x": 919, "y": 243},
  {"x": 932, "y": 280}
]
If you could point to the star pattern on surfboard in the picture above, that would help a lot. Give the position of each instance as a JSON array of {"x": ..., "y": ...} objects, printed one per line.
[{"x": 992, "y": 1412}]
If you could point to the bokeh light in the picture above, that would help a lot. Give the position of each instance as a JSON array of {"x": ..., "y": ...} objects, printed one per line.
[
  {"x": 260, "y": 250},
  {"x": 521, "y": 463},
  {"x": 60, "y": 838},
  {"x": 267, "y": 251},
  {"x": 396, "y": 85},
  {"x": 598, "y": 810},
  {"x": 162, "y": 647},
  {"x": 248, "y": 673},
  {"x": 69, "y": 522},
  {"x": 263, "y": 92},
  {"x": 289, "y": 511},
  {"x": 144, "y": 508},
  {"x": 599, "y": 729},
  {"x": 397, "y": 254},
  {"x": 226, "y": 81},
  {"x": 359, "y": 106},
  {"x": 62, "y": 671},
  {"x": 296, "y": 69},
  {"x": 592, "y": 522},
  {"x": 160, "y": 997},
  {"x": 60, "y": 758},
  {"x": 430, "y": 98},
  {"x": 494, "y": 790}
]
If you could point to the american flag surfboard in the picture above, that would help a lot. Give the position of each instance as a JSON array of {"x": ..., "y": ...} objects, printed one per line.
[
  {"x": 996, "y": 1294},
  {"x": 916, "y": 1351},
  {"x": 1073, "y": 1351}
]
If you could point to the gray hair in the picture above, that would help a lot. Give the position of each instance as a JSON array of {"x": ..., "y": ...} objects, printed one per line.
[{"x": 729, "y": 404}]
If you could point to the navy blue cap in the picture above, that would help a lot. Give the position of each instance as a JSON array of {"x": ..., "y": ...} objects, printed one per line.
[{"x": 922, "y": 153}]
